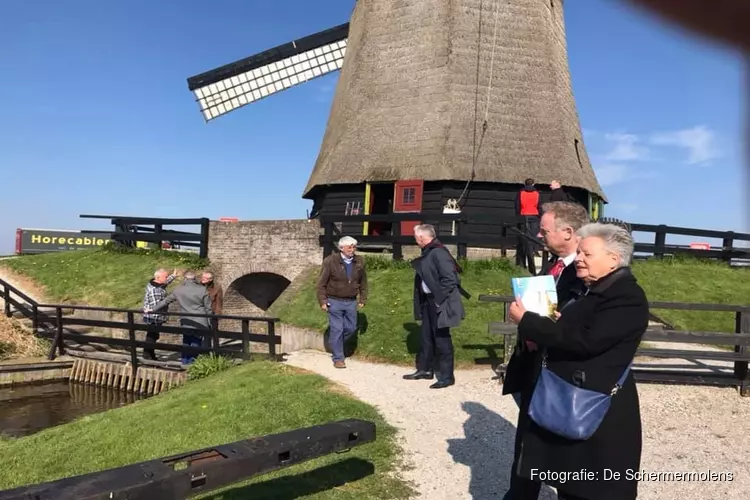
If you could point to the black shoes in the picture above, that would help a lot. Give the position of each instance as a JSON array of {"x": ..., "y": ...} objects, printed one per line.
[
  {"x": 423, "y": 375},
  {"x": 419, "y": 375},
  {"x": 440, "y": 384}
]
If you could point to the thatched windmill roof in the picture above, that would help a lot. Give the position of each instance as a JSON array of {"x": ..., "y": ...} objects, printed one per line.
[{"x": 410, "y": 103}]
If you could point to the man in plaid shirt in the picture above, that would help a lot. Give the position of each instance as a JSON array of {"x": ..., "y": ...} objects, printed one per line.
[{"x": 156, "y": 291}]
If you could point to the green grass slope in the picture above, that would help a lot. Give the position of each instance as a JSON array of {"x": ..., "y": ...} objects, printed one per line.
[
  {"x": 388, "y": 330},
  {"x": 391, "y": 334},
  {"x": 250, "y": 400},
  {"x": 108, "y": 277},
  {"x": 115, "y": 278}
]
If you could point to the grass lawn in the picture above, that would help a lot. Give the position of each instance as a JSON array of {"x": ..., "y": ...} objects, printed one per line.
[
  {"x": 252, "y": 399},
  {"x": 391, "y": 334},
  {"x": 388, "y": 331},
  {"x": 692, "y": 280},
  {"x": 107, "y": 277}
]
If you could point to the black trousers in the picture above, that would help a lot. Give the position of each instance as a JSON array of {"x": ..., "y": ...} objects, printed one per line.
[
  {"x": 436, "y": 350},
  {"x": 152, "y": 335},
  {"x": 564, "y": 496},
  {"x": 522, "y": 488}
]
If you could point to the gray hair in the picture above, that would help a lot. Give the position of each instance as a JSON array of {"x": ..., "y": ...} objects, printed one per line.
[
  {"x": 567, "y": 213},
  {"x": 189, "y": 275},
  {"x": 346, "y": 241},
  {"x": 425, "y": 230},
  {"x": 616, "y": 239}
]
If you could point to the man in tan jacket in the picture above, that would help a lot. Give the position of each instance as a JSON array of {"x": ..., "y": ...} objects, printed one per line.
[{"x": 342, "y": 289}]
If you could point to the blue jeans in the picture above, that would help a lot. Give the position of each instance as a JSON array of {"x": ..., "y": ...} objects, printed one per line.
[
  {"x": 342, "y": 323},
  {"x": 190, "y": 340}
]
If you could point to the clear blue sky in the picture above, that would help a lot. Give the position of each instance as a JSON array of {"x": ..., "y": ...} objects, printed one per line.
[{"x": 97, "y": 118}]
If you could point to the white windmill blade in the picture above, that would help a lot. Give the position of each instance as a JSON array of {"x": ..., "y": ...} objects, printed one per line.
[{"x": 242, "y": 82}]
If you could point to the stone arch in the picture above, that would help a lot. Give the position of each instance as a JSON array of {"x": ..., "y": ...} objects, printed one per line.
[
  {"x": 251, "y": 290},
  {"x": 229, "y": 276},
  {"x": 259, "y": 289}
]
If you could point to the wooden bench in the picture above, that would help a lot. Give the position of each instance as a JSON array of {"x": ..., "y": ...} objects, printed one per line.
[{"x": 740, "y": 356}]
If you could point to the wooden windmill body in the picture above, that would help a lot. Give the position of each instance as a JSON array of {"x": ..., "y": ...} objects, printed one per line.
[{"x": 439, "y": 102}]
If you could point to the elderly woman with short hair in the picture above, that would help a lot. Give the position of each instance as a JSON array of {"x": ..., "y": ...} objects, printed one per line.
[{"x": 591, "y": 346}]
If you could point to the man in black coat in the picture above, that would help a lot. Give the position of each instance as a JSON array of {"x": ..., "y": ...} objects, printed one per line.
[
  {"x": 558, "y": 225},
  {"x": 557, "y": 193},
  {"x": 592, "y": 345},
  {"x": 437, "y": 302}
]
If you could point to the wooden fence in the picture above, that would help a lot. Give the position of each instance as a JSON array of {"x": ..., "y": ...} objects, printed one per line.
[
  {"x": 457, "y": 235},
  {"x": 511, "y": 236},
  {"x": 129, "y": 230},
  {"x": 54, "y": 321},
  {"x": 727, "y": 252},
  {"x": 739, "y": 341}
]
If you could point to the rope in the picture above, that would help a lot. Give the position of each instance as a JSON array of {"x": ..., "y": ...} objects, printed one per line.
[
  {"x": 477, "y": 148},
  {"x": 492, "y": 63}
]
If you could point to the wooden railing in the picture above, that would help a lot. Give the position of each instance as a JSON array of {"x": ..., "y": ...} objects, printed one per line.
[
  {"x": 129, "y": 230},
  {"x": 659, "y": 248},
  {"x": 511, "y": 235},
  {"x": 739, "y": 340},
  {"x": 53, "y": 321},
  {"x": 505, "y": 238}
]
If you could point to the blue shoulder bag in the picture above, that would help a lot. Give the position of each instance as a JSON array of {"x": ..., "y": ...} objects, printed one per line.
[{"x": 567, "y": 410}]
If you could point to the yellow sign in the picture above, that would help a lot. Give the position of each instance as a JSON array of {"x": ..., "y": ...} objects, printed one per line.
[{"x": 66, "y": 240}]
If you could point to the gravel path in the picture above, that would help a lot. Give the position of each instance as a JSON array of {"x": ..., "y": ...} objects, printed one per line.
[{"x": 459, "y": 440}]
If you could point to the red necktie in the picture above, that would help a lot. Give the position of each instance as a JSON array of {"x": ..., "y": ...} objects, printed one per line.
[{"x": 555, "y": 271}]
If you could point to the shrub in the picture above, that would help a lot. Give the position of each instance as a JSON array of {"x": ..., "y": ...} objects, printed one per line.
[{"x": 206, "y": 365}]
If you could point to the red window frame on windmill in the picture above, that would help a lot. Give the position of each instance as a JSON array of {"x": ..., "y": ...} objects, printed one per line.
[{"x": 407, "y": 198}]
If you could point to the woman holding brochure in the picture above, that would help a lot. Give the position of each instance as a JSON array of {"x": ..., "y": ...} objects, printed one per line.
[{"x": 585, "y": 435}]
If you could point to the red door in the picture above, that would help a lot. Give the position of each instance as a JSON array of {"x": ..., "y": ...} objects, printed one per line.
[{"x": 407, "y": 197}]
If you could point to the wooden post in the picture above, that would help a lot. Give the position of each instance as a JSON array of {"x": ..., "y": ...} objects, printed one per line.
[
  {"x": 272, "y": 338},
  {"x": 203, "y": 251},
  {"x": 58, "y": 333},
  {"x": 660, "y": 240},
  {"x": 461, "y": 247},
  {"x": 327, "y": 238},
  {"x": 133, "y": 352},
  {"x": 245, "y": 336},
  {"x": 158, "y": 230},
  {"x": 215, "y": 333},
  {"x": 398, "y": 253},
  {"x": 742, "y": 325},
  {"x": 35, "y": 319},
  {"x": 61, "y": 341},
  {"x": 727, "y": 243},
  {"x": 6, "y": 300}
]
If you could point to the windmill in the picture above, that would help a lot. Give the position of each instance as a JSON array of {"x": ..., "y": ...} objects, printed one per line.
[{"x": 439, "y": 103}]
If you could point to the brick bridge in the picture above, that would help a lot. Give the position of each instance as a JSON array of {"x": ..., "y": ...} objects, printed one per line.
[{"x": 254, "y": 261}]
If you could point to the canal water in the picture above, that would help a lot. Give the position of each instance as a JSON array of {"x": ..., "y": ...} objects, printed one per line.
[{"x": 28, "y": 409}]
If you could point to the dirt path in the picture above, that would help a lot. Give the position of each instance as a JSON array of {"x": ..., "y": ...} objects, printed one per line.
[
  {"x": 22, "y": 283},
  {"x": 459, "y": 440}
]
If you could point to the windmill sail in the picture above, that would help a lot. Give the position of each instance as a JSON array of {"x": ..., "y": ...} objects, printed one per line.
[{"x": 242, "y": 82}]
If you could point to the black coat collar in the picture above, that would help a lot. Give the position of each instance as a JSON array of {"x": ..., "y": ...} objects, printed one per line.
[{"x": 604, "y": 283}]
